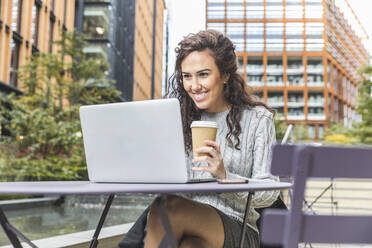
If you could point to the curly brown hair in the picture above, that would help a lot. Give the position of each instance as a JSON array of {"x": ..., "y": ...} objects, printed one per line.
[{"x": 237, "y": 94}]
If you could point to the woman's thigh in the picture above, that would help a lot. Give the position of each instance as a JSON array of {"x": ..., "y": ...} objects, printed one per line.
[{"x": 192, "y": 218}]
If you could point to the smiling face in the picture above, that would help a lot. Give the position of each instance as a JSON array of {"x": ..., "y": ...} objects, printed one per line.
[{"x": 203, "y": 82}]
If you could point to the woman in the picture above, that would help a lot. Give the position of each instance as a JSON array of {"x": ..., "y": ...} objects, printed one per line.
[{"x": 208, "y": 87}]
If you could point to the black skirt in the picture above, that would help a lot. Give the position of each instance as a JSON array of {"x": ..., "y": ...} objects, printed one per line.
[{"x": 232, "y": 228}]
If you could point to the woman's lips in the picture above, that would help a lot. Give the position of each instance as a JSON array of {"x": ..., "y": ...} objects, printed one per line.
[{"x": 199, "y": 97}]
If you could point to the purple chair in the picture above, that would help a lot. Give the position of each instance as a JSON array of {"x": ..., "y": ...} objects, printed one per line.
[{"x": 291, "y": 227}]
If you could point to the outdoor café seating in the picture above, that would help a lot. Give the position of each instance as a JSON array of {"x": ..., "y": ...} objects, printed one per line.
[{"x": 291, "y": 227}]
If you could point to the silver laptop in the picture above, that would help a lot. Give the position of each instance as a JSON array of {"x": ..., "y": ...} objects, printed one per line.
[{"x": 135, "y": 142}]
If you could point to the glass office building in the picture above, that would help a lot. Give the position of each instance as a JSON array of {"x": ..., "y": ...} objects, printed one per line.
[
  {"x": 300, "y": 56},
  {"x": 121, "y": 32}
]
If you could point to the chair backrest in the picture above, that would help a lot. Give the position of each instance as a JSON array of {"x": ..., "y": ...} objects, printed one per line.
[{"x": 301, "y": 162}]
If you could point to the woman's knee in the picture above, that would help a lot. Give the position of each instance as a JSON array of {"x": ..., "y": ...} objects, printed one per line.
[
  {"x": 173, "y": 204},
  {"x": 192, "y": 242}
]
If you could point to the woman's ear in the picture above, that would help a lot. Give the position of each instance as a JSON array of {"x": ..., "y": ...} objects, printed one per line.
[{"x": 225, "y": 77}]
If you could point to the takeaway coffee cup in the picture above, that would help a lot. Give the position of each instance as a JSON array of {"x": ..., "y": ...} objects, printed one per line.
[{"x": 201, "y": 131}]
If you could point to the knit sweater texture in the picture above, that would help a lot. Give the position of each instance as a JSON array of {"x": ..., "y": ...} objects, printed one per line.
[{"x": 251, "y": 161}]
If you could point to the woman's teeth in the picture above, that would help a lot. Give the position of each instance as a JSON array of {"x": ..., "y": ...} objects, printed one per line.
[{"x": 200, "y": 96}]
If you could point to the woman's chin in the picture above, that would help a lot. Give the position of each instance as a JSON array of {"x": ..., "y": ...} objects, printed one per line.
[{"x": 201, "y": 105}]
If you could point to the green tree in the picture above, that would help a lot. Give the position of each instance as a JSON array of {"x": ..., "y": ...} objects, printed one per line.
[
  {"x": 44, "y": 141},
  {"x": 338, "y": 133},
  {"x": 300, "y": 132},
  {"x": 280, "y": 127},
  {"x": 363, "y": 129}
]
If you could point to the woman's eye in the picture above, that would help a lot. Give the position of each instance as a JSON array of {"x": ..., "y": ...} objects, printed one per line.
[
  {"x": 186, "y": 76},
  {"x": 203, "y": 74}
]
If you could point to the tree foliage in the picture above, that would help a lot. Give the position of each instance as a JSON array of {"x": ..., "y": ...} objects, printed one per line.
[
  {"x": 280, "y": 126},
  {"x": 43, "y": 140},
  {"x": 363, "y": 129}
]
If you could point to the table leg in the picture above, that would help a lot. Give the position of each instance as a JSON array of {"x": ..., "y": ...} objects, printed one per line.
[
  {"x": 94, "y": 242},
  {"x": 12, "y": 232},
  {"x": 247, "y": 206},
  {"x": 168, "y": 236}
]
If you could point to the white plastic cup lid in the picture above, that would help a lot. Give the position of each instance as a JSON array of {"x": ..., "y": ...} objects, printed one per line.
[{"x": 204, "y": 124}]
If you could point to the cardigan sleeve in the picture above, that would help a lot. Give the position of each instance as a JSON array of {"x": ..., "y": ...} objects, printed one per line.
[{"x": 264, "y": 138}]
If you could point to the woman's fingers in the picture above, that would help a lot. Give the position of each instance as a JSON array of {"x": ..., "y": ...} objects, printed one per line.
[
  {"x": 213, "y": 144},
  {"x": 213, "y": 158},
  {"x": 201, "y": 168},
  {"x": 207, "y": 149},
  {"x": 202, "y": 159}
]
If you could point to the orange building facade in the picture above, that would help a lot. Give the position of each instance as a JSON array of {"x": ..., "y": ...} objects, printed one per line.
[
  {"x": 28, "y": 26},
  {"x": 300, "y": 56},
  {"x": 142, "y": 86},
  {"x": 120, "y": 32}
]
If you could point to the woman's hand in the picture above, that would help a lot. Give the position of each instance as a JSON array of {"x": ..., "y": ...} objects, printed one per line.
[{"x": 213, "y": 158}]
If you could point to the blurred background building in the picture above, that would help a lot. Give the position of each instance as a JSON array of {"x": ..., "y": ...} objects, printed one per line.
[
  {"x": 300, "y": 56},
  {"x": 28, "y": 26},
  {"x": 120, "y": 32}
]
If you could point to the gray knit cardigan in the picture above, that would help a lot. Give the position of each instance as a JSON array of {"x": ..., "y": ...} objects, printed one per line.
[{"x": 251, "y": 161}]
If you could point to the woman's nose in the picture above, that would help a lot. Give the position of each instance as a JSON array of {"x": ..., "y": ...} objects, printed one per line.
[{"x": 195, "y": 85}]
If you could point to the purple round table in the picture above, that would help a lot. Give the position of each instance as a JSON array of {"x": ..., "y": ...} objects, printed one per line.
[{"x": 86, "y": 187}]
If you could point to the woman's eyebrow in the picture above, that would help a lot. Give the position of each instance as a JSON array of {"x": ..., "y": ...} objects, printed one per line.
[
  {"x": 203, "y": 70},
  {"x": 207, "y": 69}
]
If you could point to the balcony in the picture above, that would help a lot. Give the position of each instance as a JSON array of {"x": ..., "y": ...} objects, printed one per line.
[
  {"x": 316, "y": 117},
  {"x": 315, "y": 69},
  {"x": 295, "y": 70},
  {"x": 295, "y": 104},
  {"x": 315, "y": 83},
  {"x": 296, "y": 116}
]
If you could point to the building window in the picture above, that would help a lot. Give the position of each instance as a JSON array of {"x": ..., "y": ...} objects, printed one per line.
[
  {"x": 276, "y": 101},
  {"x": 96, "y": 51},
  {"x": 216, "y": 9},
  {"x": 274, "y": 71},
  {"x": 314, "y": 36},
  {"x": 35, "y": 24},
  {"x": 96, "y": 21},
  {"x": 293, "y": 9},
  {"x": 311, "y": 131},
  {"x": 235, "y": 9},
  {"x": 315, "y": 106},
  {"x": 50, "y": 36},
  {"x": 294, "y": 36},
  {"x": 295, "y": 105},
  {"x": 14, "y": 62},
  {"x": 255, "y": 37},
  {"x": 16, "y": 15},
  {"x": 255, "y": 71},
  {"x": 235, "y": 31},
  {"x": 320, "y": 132},
  {"x": 274, "y": 9},
  {"x": 329, "y": 74},
  {"x": 295, "y": 71},
  {"x": 255, "y": 9},
  {"x": 274, "y": 37},
  {"x": 335, "y": 78},
  {"x": 220, "y": 27},
  {"x": 335, "y": 110},
  {"x": 65, "y": 5},
  {"x": 315, "y": 71},
  {"x": 313, "y": 9}
]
